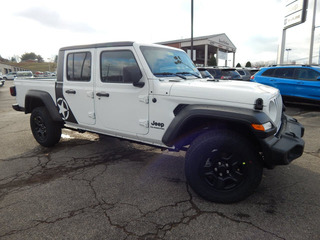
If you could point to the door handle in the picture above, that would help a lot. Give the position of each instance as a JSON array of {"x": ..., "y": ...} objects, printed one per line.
[
  {"x": 71, "y": 91},
  {"x": 102, "y": 94}
]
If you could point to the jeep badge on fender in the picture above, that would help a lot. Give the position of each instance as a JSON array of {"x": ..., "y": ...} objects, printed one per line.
[
  {"x": 155, "y": 95},
  {"x": 157, "y": 125}
]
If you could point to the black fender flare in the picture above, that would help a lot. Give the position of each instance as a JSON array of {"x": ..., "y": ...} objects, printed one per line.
[
  {"x": 223, "y": 114},
  {"x": 36, "y": 98}
]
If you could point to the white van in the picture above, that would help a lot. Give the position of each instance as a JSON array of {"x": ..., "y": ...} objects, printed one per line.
[{"x": 24, "y": 74}]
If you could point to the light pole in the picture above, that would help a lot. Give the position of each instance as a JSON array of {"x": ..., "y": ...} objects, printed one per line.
[
  {"x": 49, "y": 63},
  {"x": 288, "y": 50},
  {"x": 319, "y": 47},
  {"x": 192, "y": 30},
  {"x": 312, "y": 31}
]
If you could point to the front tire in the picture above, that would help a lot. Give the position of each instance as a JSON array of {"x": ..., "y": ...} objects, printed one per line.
[
  {"x": 222, "y": 166},
  {"x": 46, "y": 132}
]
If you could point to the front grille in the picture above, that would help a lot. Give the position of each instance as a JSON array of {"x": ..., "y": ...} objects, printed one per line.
[{"x": 279, "y": 105}]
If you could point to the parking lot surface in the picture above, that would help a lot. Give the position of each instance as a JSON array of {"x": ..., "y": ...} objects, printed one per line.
[{"x": 92, "y": 187}]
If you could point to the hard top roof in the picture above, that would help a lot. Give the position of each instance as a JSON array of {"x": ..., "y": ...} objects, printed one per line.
[{"x": 98, "y": 45}]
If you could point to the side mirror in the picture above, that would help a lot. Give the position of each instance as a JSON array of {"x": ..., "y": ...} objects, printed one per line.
[{"x": 132, "y": 74}]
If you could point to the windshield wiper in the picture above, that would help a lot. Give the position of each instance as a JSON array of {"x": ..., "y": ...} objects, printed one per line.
[
  {"x": 194, "y": 74},
  {"x": 170, "y": 74}
]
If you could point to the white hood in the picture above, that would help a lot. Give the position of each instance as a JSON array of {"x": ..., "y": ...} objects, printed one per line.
[{"x": 225, "y": 91}]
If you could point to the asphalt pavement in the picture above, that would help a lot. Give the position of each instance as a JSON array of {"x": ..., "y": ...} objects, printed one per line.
[{"x": 92, "y": 187}]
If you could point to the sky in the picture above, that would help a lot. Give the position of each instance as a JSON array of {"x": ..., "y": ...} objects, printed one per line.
[{"x": 253, "y": 26}]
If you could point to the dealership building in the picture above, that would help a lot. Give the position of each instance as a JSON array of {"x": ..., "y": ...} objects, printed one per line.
[
  {"x": 6, "y": 68},
  {"x": 218, "y": 45}
]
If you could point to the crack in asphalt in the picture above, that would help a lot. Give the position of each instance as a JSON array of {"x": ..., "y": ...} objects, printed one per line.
[{"x": 47, "y": 170}]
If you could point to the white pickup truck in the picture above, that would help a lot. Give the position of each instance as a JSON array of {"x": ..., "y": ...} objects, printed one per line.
[{"x": 154, "y": 94}]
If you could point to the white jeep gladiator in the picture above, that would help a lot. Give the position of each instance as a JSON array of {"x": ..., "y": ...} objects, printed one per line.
[{"x": 154, "y": 95}]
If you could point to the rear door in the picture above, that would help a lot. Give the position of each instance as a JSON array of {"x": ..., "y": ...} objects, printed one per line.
[
  {"x": 308, "y": 85},
  {"x": 76, "y": 103}
]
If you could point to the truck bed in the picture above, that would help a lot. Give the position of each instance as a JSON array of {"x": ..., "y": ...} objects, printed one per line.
[{"x": 23, "y": 85}]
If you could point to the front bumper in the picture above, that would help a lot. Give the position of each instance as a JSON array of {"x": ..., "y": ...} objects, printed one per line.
[{"x": 286, "y": 145}]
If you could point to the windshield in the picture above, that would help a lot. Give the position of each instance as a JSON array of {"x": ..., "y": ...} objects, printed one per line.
[{"x": 169, "y": 62}]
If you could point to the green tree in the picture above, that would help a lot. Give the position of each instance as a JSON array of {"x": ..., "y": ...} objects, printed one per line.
[
  {"x": 238, "y": 65},
  {"x": 40, "y": 59},
  {"x": 212, "y": 61},
  {"x": 31, "y": 56},
  {"x": 248, "y": 64}
]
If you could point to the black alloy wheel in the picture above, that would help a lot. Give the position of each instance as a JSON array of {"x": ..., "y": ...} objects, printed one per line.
[
  {"x": 223, "y": 166},
  {"x": 223, "y": 170},
  {"x": 40, "y": 128},
  {"x": 44, "y": 129}
]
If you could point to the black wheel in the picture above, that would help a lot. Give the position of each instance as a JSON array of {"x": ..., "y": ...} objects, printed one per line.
[
  {"x": 222, "y": 166},
  {"x": 45, "y": 131}
]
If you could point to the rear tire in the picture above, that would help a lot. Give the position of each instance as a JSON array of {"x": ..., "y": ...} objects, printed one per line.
[
  {"x": 46, "y": 132},
  {"x": 222, "y": 166}
]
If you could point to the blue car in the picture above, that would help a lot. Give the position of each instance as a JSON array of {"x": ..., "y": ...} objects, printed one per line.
[{"x": 296, "y": 82}]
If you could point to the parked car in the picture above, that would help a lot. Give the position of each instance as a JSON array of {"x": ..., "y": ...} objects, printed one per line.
[
  {"x": 230, "y": 129},
  {"x": 39, "y": 74},
  {"x": 2, "y": 81},
  {"x": 253, "y": 70},
  {"x": 298, "y": 82},
  {"x": 9, "y": 76},
  {"x": 205, "y": 74},
  {"x": 224, "y": 73},
  {"x": 24, "y": 74},
  {"x": 49, "y": 74},
  {"x": 245, "y": 73}
]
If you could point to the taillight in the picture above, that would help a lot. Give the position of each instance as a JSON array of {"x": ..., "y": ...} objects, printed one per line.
[
  {"x": 13, "y": 91},
  {"x": 252, "y": 77}
]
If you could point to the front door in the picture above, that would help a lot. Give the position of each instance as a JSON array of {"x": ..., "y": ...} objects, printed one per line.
[{"x": 120, "y": 106}]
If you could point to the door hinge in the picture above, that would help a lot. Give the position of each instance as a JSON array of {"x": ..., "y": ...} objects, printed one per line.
[
  {"x": 144, "y": 98},
  {"x": 92, "y": 115},
  {"x": 90, "y": 94},
  {"x": 144, "y": 123}
]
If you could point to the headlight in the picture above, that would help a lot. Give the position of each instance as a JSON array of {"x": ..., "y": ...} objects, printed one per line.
[{"x": 273, "y": 111}]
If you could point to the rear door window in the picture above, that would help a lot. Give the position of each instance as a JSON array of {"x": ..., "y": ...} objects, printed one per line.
[
  {"x": 79, "y": 66},
  {"x": 284, "y": 73}
]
